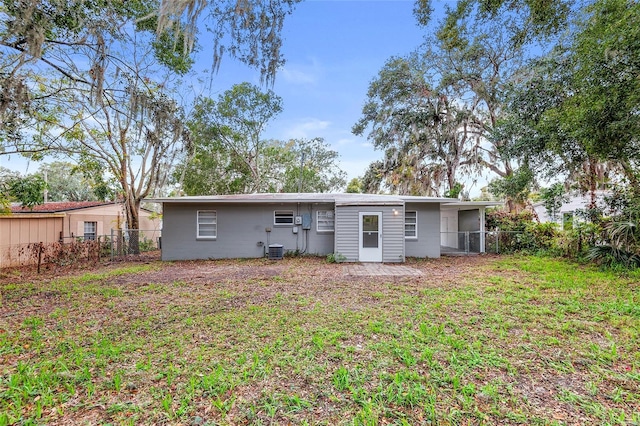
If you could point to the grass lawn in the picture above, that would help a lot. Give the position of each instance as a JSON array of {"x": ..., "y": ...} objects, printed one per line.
[{"x": 479, "y": 340}]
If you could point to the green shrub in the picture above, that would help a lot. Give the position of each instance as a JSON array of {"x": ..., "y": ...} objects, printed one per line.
[
  {"x": 519, "y": 233},
  {"x": 506, "y": 221},
  {"x": 336, "y": 258}
]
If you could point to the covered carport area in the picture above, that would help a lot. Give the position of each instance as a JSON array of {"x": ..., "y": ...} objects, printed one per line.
[{"x": 463, "y": 227}]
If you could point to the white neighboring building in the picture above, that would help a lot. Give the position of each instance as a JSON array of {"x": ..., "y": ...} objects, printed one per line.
[{"x": 566, "y": 213}]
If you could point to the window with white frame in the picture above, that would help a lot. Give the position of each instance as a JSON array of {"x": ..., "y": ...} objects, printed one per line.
[
  {"x": 207, "y": 224},
  {"x": 411, "y": 224},
  {"x": 283, "y": 217},
  {"x": 90, "y": 230},
  {"x": 325, "y": 221}
]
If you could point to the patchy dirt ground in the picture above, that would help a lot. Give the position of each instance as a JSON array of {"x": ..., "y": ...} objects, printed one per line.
[{"x": 218, "y": 270}]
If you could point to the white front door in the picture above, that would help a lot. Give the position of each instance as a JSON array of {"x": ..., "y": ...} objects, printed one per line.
[{"x": 370, "y": 237}]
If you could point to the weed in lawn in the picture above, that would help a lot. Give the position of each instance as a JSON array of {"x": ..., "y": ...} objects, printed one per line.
[
  {"x": 341, "y": 379},
  {"x": 217, "y": 383},
  {"x": 367, "y": 416},
  {"x": 271, "y": 405},
  {"x": 111, "y": 292},
  {"x": 167, "y": 405},
  {"x": 430, "y": 333},
  {"x": 223, "y": 405},
  {"x": 491, "y": 391},
  {"x": 117, "y": 381},
  {"x": 294, "y": 403},
  {"x": 591, "y": 388},
  {"x": 405, "y": 355},
  {"x": 404, "y": 388}
]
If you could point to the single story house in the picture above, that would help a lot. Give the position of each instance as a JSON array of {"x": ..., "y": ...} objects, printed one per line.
[
  {"x": 62, "y": 222},
  {"x": 354, "y": 227}
]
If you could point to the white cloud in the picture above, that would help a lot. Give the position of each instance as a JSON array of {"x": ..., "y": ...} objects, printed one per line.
[
  {"x": 297, "y": 76},
  {"x": 344, "y": 141},
  {"x": 303, "y": 74},
  {"x": 306, "y": 128}
]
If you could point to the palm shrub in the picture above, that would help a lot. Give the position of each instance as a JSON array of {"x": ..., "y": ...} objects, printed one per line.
[{"x": 621, "y": 245}]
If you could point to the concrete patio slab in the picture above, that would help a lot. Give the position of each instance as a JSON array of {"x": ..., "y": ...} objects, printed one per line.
[{"x": 380, "y": 270}]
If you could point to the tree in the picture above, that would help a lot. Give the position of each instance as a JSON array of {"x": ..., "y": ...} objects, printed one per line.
[
  {"x": 42, "y": 38},
  {"x": 426, "y": 137},
  {"x": 219, "y": 167},
  {"x": 27, "y": 190},
  {"x": 373, "y": 178},
  {"x": 248, "y": 30},
  {"x": 5, "y": 176},
  {"x": 312, "y": 167},
  {"x": 67, "y": 182},
  {"x": 41, "y": 43},
  {"x": 354, "y": 186},
  {"x": 469, "y": 60},
  {"x": 102, "y": 98},
  {"x": 553, "y": 197},
  {"x": 133, "y": 131},
  {"x": 230, "y": 154},
  {"x": 515, "y": 188},
  {"x": 601, "y": 111},
  {"x": 575, "y": 110},
  {"x": 528, "y": 19}
]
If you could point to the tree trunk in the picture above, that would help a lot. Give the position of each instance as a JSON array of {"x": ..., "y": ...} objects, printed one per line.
[
  {"x": 132, "y": 208},
  {"x": 593, "y": 184}
]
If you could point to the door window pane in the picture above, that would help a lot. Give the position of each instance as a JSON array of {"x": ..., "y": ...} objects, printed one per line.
[
  {"x": 370, "y": 223},
  {"x": 370, "y": 239}
]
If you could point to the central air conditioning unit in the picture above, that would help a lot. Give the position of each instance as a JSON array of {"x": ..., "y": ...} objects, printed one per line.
[{"x": 276, "y": 251}]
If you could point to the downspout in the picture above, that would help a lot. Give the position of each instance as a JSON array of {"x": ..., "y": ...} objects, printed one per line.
[
  {"x": 482, "y": 229},
  {"x": 298, "y": 226}
]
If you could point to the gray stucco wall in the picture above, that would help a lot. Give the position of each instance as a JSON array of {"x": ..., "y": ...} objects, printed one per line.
[
  {"x": 428, "y": 242},
  {"x": 240, "y": 229},
  {"x": 347, "y": 230}
]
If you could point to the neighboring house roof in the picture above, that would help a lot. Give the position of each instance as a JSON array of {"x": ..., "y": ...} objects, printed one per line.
[
  {"x": 59, "y": 207},
  {"x": 338, "y": 199}
]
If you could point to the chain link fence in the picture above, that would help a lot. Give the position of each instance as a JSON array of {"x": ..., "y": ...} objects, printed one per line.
[
  {"x": 118, "y": 244},
  {"x": 471, "y": 242},
  {"x": 124, "y": 242}
]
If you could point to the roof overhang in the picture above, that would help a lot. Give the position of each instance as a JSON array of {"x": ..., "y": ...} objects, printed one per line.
[
  {"x": 470, "y": 205},
  {"x": 340, "y": 200},
  {"x": 39, "y": 215},
  {"x": 277, "y": 198}
]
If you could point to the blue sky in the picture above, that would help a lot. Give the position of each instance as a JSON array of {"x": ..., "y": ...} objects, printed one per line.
[{"x": 333, "y": 50}]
